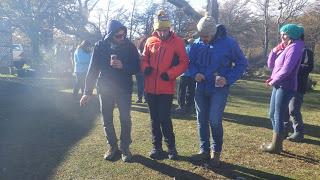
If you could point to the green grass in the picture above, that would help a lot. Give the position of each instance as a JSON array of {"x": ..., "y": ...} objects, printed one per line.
[{"x": 44, "y": 134}]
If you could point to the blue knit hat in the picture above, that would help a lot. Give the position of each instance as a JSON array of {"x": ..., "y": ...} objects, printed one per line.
[{"x": 294, "y": 31}]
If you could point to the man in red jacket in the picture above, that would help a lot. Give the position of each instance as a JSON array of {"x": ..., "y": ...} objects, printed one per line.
[{"x": 164, "y": 59}]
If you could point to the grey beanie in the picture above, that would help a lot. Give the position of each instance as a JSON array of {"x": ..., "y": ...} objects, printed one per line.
[{"x": 207, "y": 26}]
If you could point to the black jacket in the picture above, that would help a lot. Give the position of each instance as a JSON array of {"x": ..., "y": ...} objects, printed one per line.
[{"x": 110, "y": 79}]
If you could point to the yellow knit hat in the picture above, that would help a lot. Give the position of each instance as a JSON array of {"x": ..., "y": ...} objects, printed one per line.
[{"x": 161, "y": 21}]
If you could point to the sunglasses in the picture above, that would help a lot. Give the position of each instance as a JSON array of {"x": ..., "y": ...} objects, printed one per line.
[{"x": 119, "y": 36}]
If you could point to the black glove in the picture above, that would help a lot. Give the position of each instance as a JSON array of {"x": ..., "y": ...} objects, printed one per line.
[
  {"x": 164, "y": 76},
  {"x": 147, "y": 71}
]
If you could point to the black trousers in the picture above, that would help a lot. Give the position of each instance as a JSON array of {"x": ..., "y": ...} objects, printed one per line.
[
  {"x": 79, "y": 83},
  {"x": 186, "y": 91},
  {"x": 161, "y": 123}
]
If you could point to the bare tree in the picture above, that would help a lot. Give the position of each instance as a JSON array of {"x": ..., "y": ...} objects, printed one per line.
[
  {"x": 131, "y": 18},
  {"x": 185, "y": 6},
  {"x": 289, "y": 9}
]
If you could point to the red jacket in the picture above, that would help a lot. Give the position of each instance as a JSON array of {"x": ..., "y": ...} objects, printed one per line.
[{"x": 159, "y": 54}]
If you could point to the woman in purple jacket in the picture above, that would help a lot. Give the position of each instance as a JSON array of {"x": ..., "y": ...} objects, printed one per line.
[{"x": 284, "y": 60}]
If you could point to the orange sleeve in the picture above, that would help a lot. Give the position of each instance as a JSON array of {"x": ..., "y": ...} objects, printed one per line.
[{"x": 145, "y": 57}]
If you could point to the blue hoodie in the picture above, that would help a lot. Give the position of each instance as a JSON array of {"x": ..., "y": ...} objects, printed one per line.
[
  {"x": 110, "y": 79},
  {"x": 222, "y": 56},
  {"x": 81, "y": 60}
]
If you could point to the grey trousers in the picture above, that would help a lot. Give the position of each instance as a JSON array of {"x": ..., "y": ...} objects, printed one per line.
[
  {"x": 107, "y": 104},
  {"x": 294, "y": 114}
]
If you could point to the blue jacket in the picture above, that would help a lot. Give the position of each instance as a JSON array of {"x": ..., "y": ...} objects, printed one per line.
[
  {"x": 112, "y": 80},
  {"x": 222, "y": 56},
  {"x": 81, "y": 61},
  {"x": 187, "y": 73}
]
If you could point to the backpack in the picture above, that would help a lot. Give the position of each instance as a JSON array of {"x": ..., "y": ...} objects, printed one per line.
[
  {"x": 306, "y": 66},
  {"x": 307, "y": 58}
]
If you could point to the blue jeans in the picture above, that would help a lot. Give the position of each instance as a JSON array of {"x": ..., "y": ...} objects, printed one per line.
[
  {"x": 210, "y": 107},
  {"x": 278, "y": 107},
  {"x": 107, "y": 104},
  {"x": 140, "y": 86}
]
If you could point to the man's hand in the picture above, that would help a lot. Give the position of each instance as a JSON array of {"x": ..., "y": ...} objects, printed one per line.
[
  {"x": 220, "y": 81},
  {"x": 164, "y": 76},
  {"x": 84, "y": 100},
  {"x": 148, "y": 70},
  {"x": 199, "y": 77},
  {"x": 116, "y": 63}
]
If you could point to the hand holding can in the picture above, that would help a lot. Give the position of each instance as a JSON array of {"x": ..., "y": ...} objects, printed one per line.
[
  {"x": 113, "y": 59},
  {"x": 220, "y": 81}
]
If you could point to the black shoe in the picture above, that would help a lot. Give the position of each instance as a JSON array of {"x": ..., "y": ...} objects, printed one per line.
[
  {"x": 156, "y": 153},
  {"x": 296, "y": 137},
  {"x": 139, "y": 101},
  {"x": 180, "y": 110},
  {"x": 173, "y": 154},
  {"x": 201, "y": 156}
]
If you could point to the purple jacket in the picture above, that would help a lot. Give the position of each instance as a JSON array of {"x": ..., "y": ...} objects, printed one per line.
[{"x": 285, "y": 65}]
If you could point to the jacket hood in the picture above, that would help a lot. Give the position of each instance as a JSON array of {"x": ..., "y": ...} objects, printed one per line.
[
  {"x": 112, "y": 27},
  {"x": 221, "y": 31}
]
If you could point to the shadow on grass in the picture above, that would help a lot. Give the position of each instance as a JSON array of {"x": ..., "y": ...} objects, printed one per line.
[
  {"x": 144, "y": 109},
  {"x": 311, "y": 160},
  {"x": 165, "y": 169},
  {"x": 254, "y": 121},
  {"x": 233, "y": 171},
  {"x": 38, "y": 128}
]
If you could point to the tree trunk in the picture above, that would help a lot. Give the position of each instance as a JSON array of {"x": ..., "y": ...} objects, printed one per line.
[
  {"x": 213, "y": 9},
  {"x": 266, "y": 28},
  {"x": 33, "y": 34},
  {"x": 131, "y": 19},
  {"x": 187, "y": 9}
]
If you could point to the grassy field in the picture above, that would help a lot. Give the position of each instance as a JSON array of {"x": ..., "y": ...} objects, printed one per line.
[{"x": 44, "y": 134}]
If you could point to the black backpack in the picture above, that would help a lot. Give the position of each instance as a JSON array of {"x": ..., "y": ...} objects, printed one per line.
[{"x": 306, "y": 66}]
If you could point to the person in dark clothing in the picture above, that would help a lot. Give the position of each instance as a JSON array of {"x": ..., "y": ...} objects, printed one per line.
[
  {"x": 186, "y": 89},
  {"x": 115, "y": 59},
  {"x": 294, "y": 109},
  {"x": 139, "y": 75}
]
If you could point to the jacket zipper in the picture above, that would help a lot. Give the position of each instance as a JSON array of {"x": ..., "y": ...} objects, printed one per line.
[{"x": 155, "y": 83}]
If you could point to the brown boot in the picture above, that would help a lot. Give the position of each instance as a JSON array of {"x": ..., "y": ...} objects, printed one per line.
[
  {"x": 275, "y": 147},
  {"x": 215, "y": 159}
]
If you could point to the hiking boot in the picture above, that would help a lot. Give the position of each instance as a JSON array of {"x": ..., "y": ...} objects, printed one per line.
[
  {"x": 111, "y": 153},
  {"x": 126, "y": 155},
  {"x": 180, "y": 110},
  {"x": 156, "y": 153},
  {"x": 295, "y": 137},
  {"x": 173, "y": 154},
  {"x": 215, "y": 159},
  {"x": 202, "y": 156}
]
